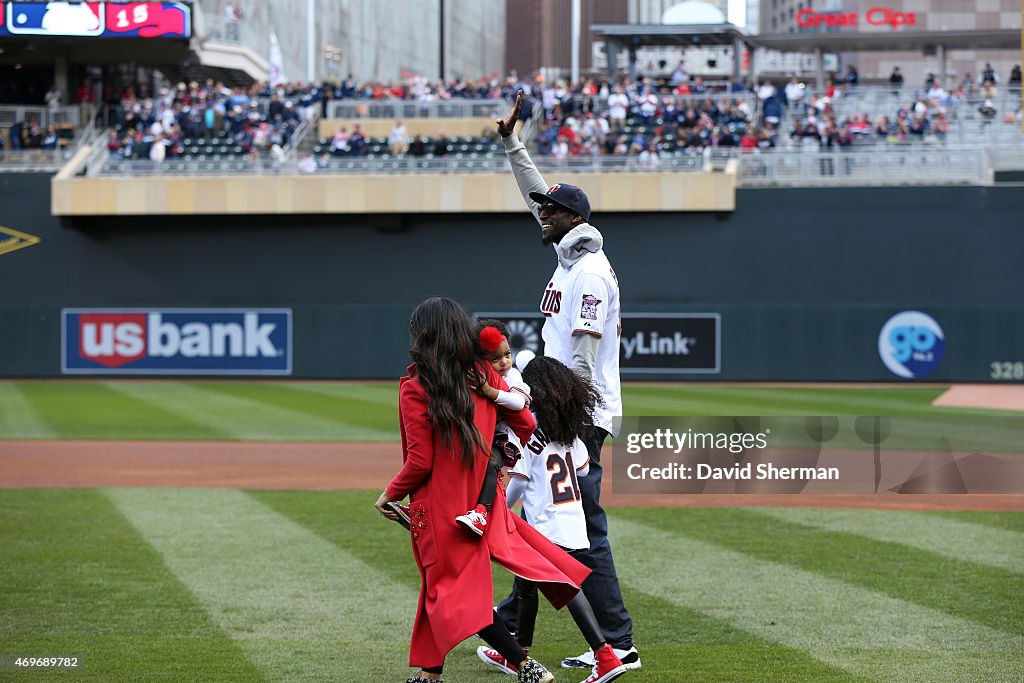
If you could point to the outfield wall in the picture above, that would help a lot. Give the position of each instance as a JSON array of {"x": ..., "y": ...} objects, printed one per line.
[{"x": 797, "y": 284}]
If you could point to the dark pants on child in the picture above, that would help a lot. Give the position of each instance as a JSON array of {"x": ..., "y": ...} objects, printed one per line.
[
  {"x": 580, "y": 609},
  {"x": 602, "y": 586}
]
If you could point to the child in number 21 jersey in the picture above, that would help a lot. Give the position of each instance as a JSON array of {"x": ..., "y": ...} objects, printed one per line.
[{"x": 545, "y": 478}]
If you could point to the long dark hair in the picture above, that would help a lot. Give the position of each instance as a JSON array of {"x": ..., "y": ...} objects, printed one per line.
[
  {"x": 562, "y": 399},
  {"x": 443, "y": 347}
]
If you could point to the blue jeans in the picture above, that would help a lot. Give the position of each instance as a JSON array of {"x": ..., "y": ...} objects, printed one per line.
[{"x": 602, "y": 586}]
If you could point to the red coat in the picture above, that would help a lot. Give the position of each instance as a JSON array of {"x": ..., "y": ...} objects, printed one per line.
[{"x": 455, "y": 567}]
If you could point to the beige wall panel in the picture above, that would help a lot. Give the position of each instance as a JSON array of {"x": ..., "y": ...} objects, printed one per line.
[
  {"x": 618, "y": 192},
  {"x": 131, "y": 198},
  {"x": 479, "y": 193},
  {"x": 676, "y": 190},
  {"x": 433, "y": 193},
  {"x": 83, "y": 198},
  {"x": 646, "y": 192},
  {"x": 308, "y": 194},
  {"x": 181, "y": 196},
  {"x": 380, "y": 194},
  {"x": 209, "y": 197},
  {"x": 158, "y": 198},
  {"x": 105, "y": 196},
  {"x": 345, "y": 193},
  {"x": 451, "y": 197}
]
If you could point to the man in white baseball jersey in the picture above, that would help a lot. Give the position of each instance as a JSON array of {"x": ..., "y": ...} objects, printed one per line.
[{"x": 582, "y": 329}]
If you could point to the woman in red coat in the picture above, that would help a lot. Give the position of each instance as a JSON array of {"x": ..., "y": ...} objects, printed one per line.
[{"x": 446, "y": 429}]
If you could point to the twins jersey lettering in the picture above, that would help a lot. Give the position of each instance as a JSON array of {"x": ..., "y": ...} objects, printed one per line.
[
  {"x": 584, "y": 299},
  {"x": 551, "y": 498}
]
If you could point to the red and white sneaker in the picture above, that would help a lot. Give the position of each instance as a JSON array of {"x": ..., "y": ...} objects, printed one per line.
[
  {"x": 493, "y": 658},
  {"x": 608, "y": 666},
  {"x": 475, "y": 520}
]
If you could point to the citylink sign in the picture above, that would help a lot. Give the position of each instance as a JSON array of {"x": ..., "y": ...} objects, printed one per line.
[{"x": 875, "y": 16}]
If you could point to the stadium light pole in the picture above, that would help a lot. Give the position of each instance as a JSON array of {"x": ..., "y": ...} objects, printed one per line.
[
  {"x": 575, "y": 74},
  {"x": 310, "y": 44},
  {"x": 440, "y": 41}
]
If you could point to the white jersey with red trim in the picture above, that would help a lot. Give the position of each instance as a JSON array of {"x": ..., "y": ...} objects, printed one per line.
[
  {"x": 514, "y": 379},
  {"x": 548, "y": 471},
  {"x": 584, "y": 299}
]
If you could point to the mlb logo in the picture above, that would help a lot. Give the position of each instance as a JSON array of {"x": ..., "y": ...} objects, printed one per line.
[
  {"x": 55, "y": 18},
  {"x": 589, "y": 308}
]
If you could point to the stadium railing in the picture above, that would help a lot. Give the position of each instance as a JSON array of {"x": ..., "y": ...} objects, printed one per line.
[
  {"x": 73, "y": 137},
  {"x": 62, "y": 116},
  {"x": 99, "y": 165},
  {"x": 600, "y": 104},
  {"x": 1006, "y": 158},
  {"x": 416, "y": 109},
  {"x": 878, "y": 166}
]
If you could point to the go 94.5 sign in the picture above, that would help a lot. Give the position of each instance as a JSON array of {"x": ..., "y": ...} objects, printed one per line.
[
  {"x": 650, "y": 343},
  {"x": 176, "y": 341}
]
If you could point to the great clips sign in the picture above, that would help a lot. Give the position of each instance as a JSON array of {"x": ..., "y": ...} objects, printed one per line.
[
  {"x": 176, "y": 341},
  {"x": 875, "y": 16}
]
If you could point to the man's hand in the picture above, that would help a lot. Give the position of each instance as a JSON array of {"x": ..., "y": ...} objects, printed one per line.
[{"x": 506, "y": 126}]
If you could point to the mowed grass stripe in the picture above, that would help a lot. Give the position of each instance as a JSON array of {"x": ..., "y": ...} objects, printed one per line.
[
  {"x": 94, "y": 410},
  {"x": 1011, "y": 521},
  {"x": 859, "y": 630},
  {"x": 235, "y": 417},
  {"x": 380, "y": 393},
  {"x": 678, "y": 644},
  {"x": 18, "y": 418},
  {"x": 77, "y": 579},
  {"x": 714, "y": 400},
  {"x": 947, "y": 537},
  {"x": 357, "y": 419},
  {"x": 300, "y": 607},
  {"x": 987, "y": 595}
]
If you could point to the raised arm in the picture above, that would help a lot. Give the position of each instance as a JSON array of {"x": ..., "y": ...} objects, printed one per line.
[{"x": 527, "y": 176}]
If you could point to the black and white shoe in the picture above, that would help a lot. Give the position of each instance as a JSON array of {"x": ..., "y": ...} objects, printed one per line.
[
  {"x": 403, "y": 514},
  {"x": 534, "y": 672}
]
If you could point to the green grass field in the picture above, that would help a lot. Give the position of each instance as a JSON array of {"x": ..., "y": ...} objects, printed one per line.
[
  {"x": 224, "y": 585},
  {"x": 366, "y": 411}
]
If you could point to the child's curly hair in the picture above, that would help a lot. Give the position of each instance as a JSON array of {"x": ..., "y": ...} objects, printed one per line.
[{"x": 562, "y": 400}]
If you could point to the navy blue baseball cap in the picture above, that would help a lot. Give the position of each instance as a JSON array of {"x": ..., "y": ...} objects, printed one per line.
[{"x": 567, "y": 196}]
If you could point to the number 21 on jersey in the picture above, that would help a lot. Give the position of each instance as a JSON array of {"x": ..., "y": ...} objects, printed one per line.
[{"x": 565, "y": 488}]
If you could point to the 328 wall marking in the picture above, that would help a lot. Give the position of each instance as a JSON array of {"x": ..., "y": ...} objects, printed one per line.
[{"x": 1007, "y": 370}]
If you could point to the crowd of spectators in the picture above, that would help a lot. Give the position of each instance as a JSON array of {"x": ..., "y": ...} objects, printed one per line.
[
  {"x": 923, "y": 115},
  {"x": 647, "y": 127},
  {"x": 163, "y": 125},
  {"x": 30, "y": 135},
  {"x": 646, "y": 117}
]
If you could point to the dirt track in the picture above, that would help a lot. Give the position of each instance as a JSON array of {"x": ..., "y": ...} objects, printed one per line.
[{"x": 344, "y": 466}]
